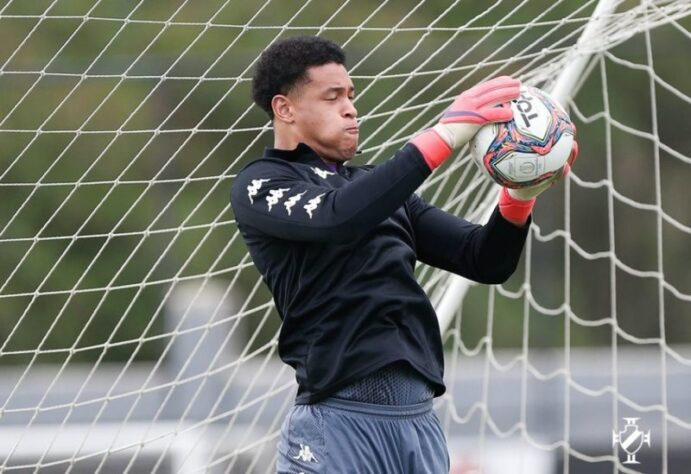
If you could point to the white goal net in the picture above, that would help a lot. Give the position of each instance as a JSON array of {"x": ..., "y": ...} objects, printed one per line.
[{"x": 135, "y": 333}]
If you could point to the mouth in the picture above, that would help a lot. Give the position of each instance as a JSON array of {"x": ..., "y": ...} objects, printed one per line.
[{"x": 353, "y": 130}]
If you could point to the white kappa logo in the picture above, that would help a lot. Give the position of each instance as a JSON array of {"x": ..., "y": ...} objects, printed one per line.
[
  {"x": 306, "y": 454},
  {"x": 253, "y": 188},
  {"x": 292, "y": 200},
  {"x": 274, "y": 196},
  {"x": 312, "y": 204},
  {"x": 631, "y": 440},
  {"x": 322, "y": 173}
]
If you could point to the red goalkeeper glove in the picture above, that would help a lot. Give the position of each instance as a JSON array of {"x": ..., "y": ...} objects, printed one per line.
[{"x": 471, "y": 110}]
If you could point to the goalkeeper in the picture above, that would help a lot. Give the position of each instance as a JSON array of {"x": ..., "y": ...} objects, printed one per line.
[{"x": 337, "y": 247}]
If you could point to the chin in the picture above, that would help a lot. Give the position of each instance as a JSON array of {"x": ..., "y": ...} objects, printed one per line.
[
  {"x": 343, "y": 154},
  {"x": 348, "y": 155},
  {"x": 349, "y": 152}
]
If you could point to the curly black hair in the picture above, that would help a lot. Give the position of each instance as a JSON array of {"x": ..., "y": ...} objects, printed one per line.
[{"x": 284, "y": 64}]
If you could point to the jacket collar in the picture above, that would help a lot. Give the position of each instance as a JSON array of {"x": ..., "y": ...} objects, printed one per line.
[{"x": 301, "y": 154}]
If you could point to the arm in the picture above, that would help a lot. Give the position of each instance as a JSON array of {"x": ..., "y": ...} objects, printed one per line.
[
  {"x": 273, "y": 199},
  {"x": 320, "y": 214},
  {"x": 484, "y": 253}
]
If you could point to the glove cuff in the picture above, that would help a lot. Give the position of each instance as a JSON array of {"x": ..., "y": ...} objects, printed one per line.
[
  {"x": 515, "y": 210},
  {"x": 435, "y": 150}
]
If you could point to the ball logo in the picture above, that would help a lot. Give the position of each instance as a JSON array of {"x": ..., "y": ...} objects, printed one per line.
[
  {"x": 527, "y": 169},
  {"x": 525, "y": 108},
  {"x": 531, "y": 116},
  {"x": 521, "y": 166}
]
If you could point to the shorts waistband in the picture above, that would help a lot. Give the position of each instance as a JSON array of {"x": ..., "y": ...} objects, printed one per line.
[
  {"x": 378, "y": 410},
  {"x": 397, "y": 383}
]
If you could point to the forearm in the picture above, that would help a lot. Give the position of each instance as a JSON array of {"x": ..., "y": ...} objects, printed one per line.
[
  {"x": 498, "y": 248},
  {"x": 484, "y": 253}
]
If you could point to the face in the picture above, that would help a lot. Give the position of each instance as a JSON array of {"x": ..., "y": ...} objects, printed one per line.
[{"x": 322, "y": 112}]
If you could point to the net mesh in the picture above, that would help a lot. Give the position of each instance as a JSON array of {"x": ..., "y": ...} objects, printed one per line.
[{"x": 136, "y": 335}]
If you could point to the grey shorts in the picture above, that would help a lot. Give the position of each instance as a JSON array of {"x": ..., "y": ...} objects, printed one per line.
[{"x": 345, "y": 436}]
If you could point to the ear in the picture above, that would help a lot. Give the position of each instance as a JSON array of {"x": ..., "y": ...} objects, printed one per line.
[{"x": 282, "y": 108}]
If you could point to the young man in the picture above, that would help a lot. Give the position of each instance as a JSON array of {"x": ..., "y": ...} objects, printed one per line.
[{"x": 337, "y": 247}]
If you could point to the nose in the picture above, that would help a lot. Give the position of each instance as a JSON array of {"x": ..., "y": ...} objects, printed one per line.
[{"x": 350, "y": 111}]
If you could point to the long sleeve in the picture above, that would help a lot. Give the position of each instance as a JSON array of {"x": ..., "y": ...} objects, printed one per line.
[
  {"x": 484, "y": 253},
  {"x": 275, "y": 199}
]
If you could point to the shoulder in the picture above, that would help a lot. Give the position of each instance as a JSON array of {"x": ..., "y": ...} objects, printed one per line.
[
  {"x": 262, "y": 171},
  {"x": 264, "y": 166}
]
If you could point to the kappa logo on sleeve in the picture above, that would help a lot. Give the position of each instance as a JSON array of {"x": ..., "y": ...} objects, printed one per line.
[
  {"x": 312, "y": 204},
  {"x": 274, "y": 196},
  {"x": 292, "y": 200},
  {"x": 253, "y": 188},
  {"x": 322, "y": 173}
]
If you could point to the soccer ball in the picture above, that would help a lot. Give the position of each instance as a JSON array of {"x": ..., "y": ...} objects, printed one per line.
[{"x": 529, "y": 149}]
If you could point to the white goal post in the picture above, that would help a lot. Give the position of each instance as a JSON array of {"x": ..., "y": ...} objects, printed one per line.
[{"x": 136, "y": 334}]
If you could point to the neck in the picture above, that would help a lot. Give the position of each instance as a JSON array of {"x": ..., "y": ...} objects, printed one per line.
[
  {"x": 286, "y": 142},
  {"x": 289, "y": 141}
]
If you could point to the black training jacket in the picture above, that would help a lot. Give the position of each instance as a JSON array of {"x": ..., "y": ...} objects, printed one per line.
[{"x": 338, "y": 251}]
